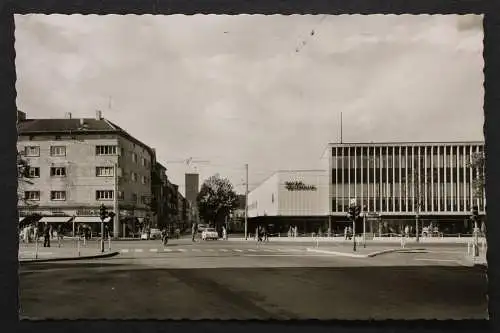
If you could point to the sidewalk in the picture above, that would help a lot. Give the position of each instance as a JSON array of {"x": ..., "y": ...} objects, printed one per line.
[
  {"x": 480, "y": 261},
  {"x": 54, "y": 253},
  {"x": 361, "y": 252},
  {"x": 395, "y": 240}
]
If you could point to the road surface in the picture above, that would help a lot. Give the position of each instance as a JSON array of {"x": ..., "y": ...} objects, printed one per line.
[{"x": 230, "y": 280}]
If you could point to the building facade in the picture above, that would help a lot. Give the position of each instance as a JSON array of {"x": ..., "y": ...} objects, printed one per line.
[
  {"x": 290, "y": 198},
  {"x": 78, "y": 164},
  {"x": 396, "y": 184}
]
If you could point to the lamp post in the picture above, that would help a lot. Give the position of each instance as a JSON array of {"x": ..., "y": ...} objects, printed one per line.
[{"x": 364, "y": 226}]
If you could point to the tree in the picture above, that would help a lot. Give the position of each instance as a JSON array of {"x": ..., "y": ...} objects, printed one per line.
[
  {"x": 216, "y": 200},
  {"x": 23, "y": 177},
  {"x": 477, "y": 165},
  {"x": 418, "y": 187}
]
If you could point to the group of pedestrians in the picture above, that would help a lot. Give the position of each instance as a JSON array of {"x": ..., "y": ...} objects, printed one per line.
[
  {"x": 293, "y": 231},
  {"x": 262, "y": 234},
  {"x": 348, "y": 233},
  {"x": 34, "y": 231}
]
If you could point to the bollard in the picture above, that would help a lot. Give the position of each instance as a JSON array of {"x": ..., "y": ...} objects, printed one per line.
[
  {"x": 468, "y": 248},
  {"x": 78, "y": 246},
  {"x": 36, "y": 248},
  {"x": 109, "y": 243},
  {"x": 317, "y": 242}
]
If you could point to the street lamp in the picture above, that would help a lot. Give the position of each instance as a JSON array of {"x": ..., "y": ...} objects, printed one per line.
[{"x": 364, "y": 226}]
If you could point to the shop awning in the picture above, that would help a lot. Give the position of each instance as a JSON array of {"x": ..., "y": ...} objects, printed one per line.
[
  {"x": 90, "y": 219},
  {"x": 55, "y": 219}
]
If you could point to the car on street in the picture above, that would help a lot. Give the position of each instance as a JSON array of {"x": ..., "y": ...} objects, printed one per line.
[
  {"x": 152, "y": 234},
  {"x": 155, "y": 234},
  {"x": 209, "y": 233}
]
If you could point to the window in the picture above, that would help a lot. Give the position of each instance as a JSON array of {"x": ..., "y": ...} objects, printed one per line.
[
  {"x": 134, "y": 197},
  {"x": 32, "y": 151},
  {"x": 34, "y": 172},
  {"x": 104, "y": 195},
  {"x": 32, "y": 195},
  {"x": 58, "y": 172},
  {"x": 104, "y": 171},
  {"x": 133, "y": 176},
  {"x": 58, "y": 151},
  {"x": 134, "y": 157},
  {"x": 105, "y": 150},
  {"x": 144, "y": 162},
  {"x": 121, "y": 195},
  {"x": 144, "y": 180},
  {"x": 58, "y": 195},
  {"x": 144, "y": 199}
]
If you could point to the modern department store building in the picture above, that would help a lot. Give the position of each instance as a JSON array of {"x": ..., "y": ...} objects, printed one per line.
[{"x": 385, "y": 178}]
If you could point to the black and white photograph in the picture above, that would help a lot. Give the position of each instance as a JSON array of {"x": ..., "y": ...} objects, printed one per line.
[{"x": 251, "y": 167}]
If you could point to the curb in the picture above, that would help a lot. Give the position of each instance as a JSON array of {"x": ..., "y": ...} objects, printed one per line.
[
  {"x": 369, "y": 255},
  {"x": 98, "y": 256}
]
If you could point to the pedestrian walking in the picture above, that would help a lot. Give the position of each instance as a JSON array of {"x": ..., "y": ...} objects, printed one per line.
[
  {"x": 26, "y": 234},
  {"x": 224, "y": 233},
  {"x": 46, "y": 236},
  {"x": 346, "y": 230},
  {"x": 59, "y": 235},
  {"x": 51, "y": 229},
  {"x": 193, "y": 231},
  {"x": 164, "y": 236}
]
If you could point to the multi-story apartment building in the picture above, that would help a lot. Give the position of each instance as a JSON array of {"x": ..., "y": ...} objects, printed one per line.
[{"x": 78, "y": 164}]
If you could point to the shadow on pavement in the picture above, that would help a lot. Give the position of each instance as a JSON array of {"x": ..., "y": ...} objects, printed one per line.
[{"x": 430, "y": 292}]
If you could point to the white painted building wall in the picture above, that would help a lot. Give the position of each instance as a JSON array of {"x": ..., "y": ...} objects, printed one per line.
[
  {"x": 263, "y": 200},
  {"x": 312, "y": 202},
  {"x": 272, "y": 198}
]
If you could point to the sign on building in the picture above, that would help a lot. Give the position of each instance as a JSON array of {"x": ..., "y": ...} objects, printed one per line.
[{"x": 299, "y": 186}]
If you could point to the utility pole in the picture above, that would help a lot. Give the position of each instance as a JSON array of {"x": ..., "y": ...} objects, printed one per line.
[
  {"x": 116, "y": 219},
  {"x": 246, "y": 202},
  {"x": 340, "y": 127}
]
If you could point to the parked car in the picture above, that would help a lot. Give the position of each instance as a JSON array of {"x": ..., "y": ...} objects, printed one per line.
[
  {"x": 209, "y": 233},
  {"x": 155, "y": 234}
]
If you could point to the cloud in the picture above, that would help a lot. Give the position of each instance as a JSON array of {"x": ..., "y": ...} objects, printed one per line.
[{"x": 233, "y": 89}]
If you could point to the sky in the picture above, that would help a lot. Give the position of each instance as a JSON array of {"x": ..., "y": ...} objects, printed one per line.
[{"x": 256, "y": 89}]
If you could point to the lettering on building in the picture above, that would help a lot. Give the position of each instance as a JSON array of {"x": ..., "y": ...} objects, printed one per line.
[{"x": 299, "y": 186}]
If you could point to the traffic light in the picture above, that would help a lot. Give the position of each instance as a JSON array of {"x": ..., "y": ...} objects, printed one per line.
[
  {"x": 351, "y": 213},
  {"x": 103, "y": 212},
  {"x": 475, "y": 213},
  {"x": 357, "y": 211}
]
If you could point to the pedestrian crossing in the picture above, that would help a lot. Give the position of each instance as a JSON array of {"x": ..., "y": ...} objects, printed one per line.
[{"x": 214, "y": 250}]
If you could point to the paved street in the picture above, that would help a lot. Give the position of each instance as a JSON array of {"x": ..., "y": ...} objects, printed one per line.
[{"x": 243, "y": 281}]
